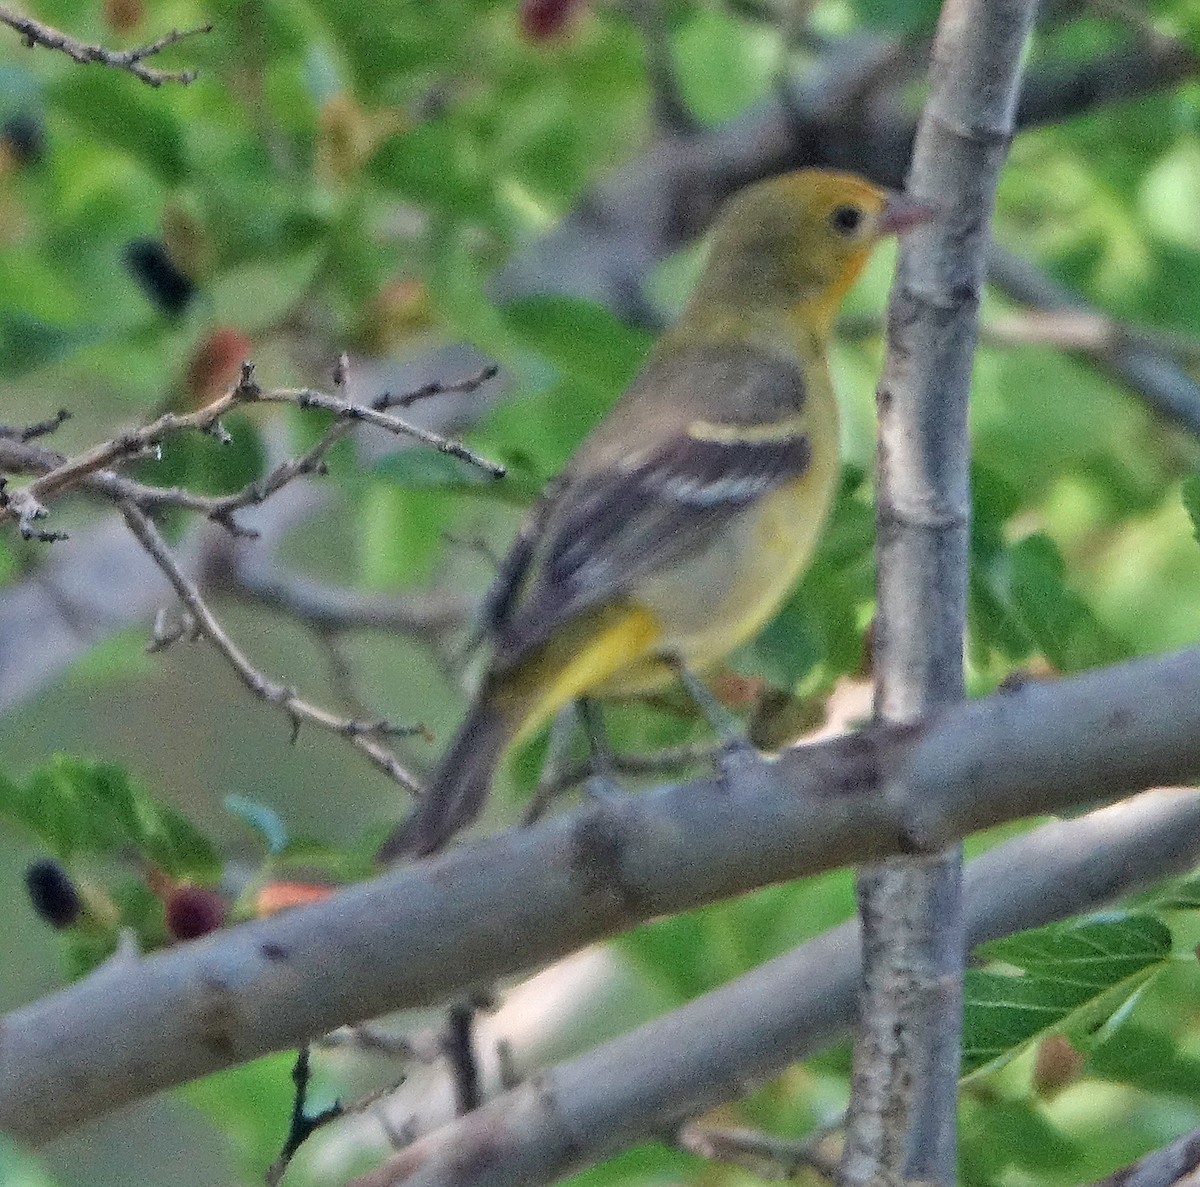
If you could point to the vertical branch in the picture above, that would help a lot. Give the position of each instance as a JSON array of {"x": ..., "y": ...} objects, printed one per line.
[{"x": 906, "y": 1059}]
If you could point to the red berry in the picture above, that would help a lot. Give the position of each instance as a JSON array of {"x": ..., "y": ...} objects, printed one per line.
[
  {"x": 543, "y": 19},
  {"x": 194, "y": 911}
]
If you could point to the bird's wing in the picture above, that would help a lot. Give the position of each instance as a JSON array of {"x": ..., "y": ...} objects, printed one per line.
[{"x": 601, "y": 529}]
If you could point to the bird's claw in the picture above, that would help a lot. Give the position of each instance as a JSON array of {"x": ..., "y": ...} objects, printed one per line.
[{"x": 731, "y": 759}]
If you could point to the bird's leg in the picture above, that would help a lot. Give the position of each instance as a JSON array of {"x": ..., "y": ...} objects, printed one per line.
[
  {"x": 735, "y": 746},
  {"x": 552, "y": 781},
  {"x": 602, "y": 782}
]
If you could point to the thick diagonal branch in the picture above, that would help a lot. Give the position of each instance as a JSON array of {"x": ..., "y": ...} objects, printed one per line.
[{"x": 427, "y": 931}]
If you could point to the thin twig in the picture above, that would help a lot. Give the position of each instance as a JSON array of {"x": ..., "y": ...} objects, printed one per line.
[
  {"x": 374, "y": 1040},
  {"x": 303, "y": 1124},
  {"x": 92, "y": 467},
  {"x": 14, "y": 504},
  {"x": 763, "y": 1154},
  {"x": 670, "y": 108},
  {"x": 458, "y": 1045},
  {"x": 1078, "y": 330},
  {"x": 362, "y": 734},
  {"x": 428, "y": 390},
  {"x": 1144, "y": 360},
  {"x": 559, "y": 777},
  {"x": 39, "y": 428},
  {"x": 35, "y": 33}
]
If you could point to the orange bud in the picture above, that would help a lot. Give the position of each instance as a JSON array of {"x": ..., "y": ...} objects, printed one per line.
[
  {"x": 215, "y": 365},
  {"x": 278, "y": 896},
  {"x": 123, "y": 16},
  {"x": 1056, "y": 1067},
  {"x": 393, "y": 315}
]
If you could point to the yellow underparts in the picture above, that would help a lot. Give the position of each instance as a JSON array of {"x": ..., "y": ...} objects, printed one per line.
[
  {"x": 700, "y": 609},
  {"x": 698, "y": 613},
  {"x": 578, "y": 660}
]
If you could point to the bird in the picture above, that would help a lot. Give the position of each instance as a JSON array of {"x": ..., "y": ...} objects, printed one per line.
[{"x": 688, "y": 513}]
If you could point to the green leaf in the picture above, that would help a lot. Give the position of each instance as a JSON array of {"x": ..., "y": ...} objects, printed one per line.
[
  {"x": 1170, "y": 195},
  {"x": 1082, "y": 971},
  {"x": 259, "y": 295},
  {"x": 340, "y": 863},
  {"x": 583, "y": 340},
  {"x": 789, "y": 646},
  {"x": 27, "y": 343},
  {"x": 1190, "y": 491},
  {"x": 141, "y": 121},
  {"x": 724, "y": 64},
  {"x": 1180, "y": 895},
  {"x": 1147, "y": 1059},
  {"x": 1017, "y": 1133},
  {"x": 249, "y": 1105},
  {"x": 887, "y": 16},
  {"x": 1062, "y": 625},
  {"x": 400, "y": 534},
  {"x": 75, "y": 805},
  {"x": 436, "y": 164},
  {"x": 430, "y": 469},
  {"x": 19, "y": 1169},
  {"x": 207, "y": 466},
  {"x": 420, "y": 468}
]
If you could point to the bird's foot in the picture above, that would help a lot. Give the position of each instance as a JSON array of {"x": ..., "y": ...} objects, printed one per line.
[
  {"x": 719, "y": 719},
  {"x": 603, "y": 787},
  {"x": 732, "y": 759}
]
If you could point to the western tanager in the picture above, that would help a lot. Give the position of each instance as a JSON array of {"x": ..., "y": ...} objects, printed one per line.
[{"x": 686, "y": 516}]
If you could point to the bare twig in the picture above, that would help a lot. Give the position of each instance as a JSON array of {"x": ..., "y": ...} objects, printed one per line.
[
  {"x": 670, "y": 109},
  {"x": 374, "y": 1040},
  {"x": 92, "y": 467},
  {"x": 364, "y": 735},
  {"x": 303, "y": 1124},
  {"x": 1075, "y": 329},
  {"x": 35, "y": 33},
  {"x": 430, "y": 615},
  {"x": 16, "y": 504},
  {"x": 1141, "y": 359},
  {"x": 458, "y": 1045},
  {"x": 40, "y": 428},
  {"x": 763, "y": 1154},
  {"x": 426, "y": 391}
]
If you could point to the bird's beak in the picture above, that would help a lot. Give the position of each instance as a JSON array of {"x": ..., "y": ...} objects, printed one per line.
[{"x": 902, "y": 213}]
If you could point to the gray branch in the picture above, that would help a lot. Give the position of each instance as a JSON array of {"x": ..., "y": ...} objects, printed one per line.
[
  {"x": 425, "y": 931},
  {"x": 646, "y": 1082},
  {"x": 904, "y": 1082},
  {"x": 1175, "y": 1165},
  {"x": 1139, "y": 363}
]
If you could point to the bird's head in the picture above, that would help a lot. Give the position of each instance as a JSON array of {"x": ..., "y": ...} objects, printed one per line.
[{"x": 796, "y": 243}]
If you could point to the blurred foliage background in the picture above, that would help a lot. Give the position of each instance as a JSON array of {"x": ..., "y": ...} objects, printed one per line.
[{"x": 356, "y": 176}]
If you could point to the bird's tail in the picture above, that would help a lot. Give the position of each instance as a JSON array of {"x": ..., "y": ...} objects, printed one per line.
[{"x": 457, "y": 791}]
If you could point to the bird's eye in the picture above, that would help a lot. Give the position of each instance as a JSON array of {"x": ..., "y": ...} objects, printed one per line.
[{"x": 846, "y": 219}]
